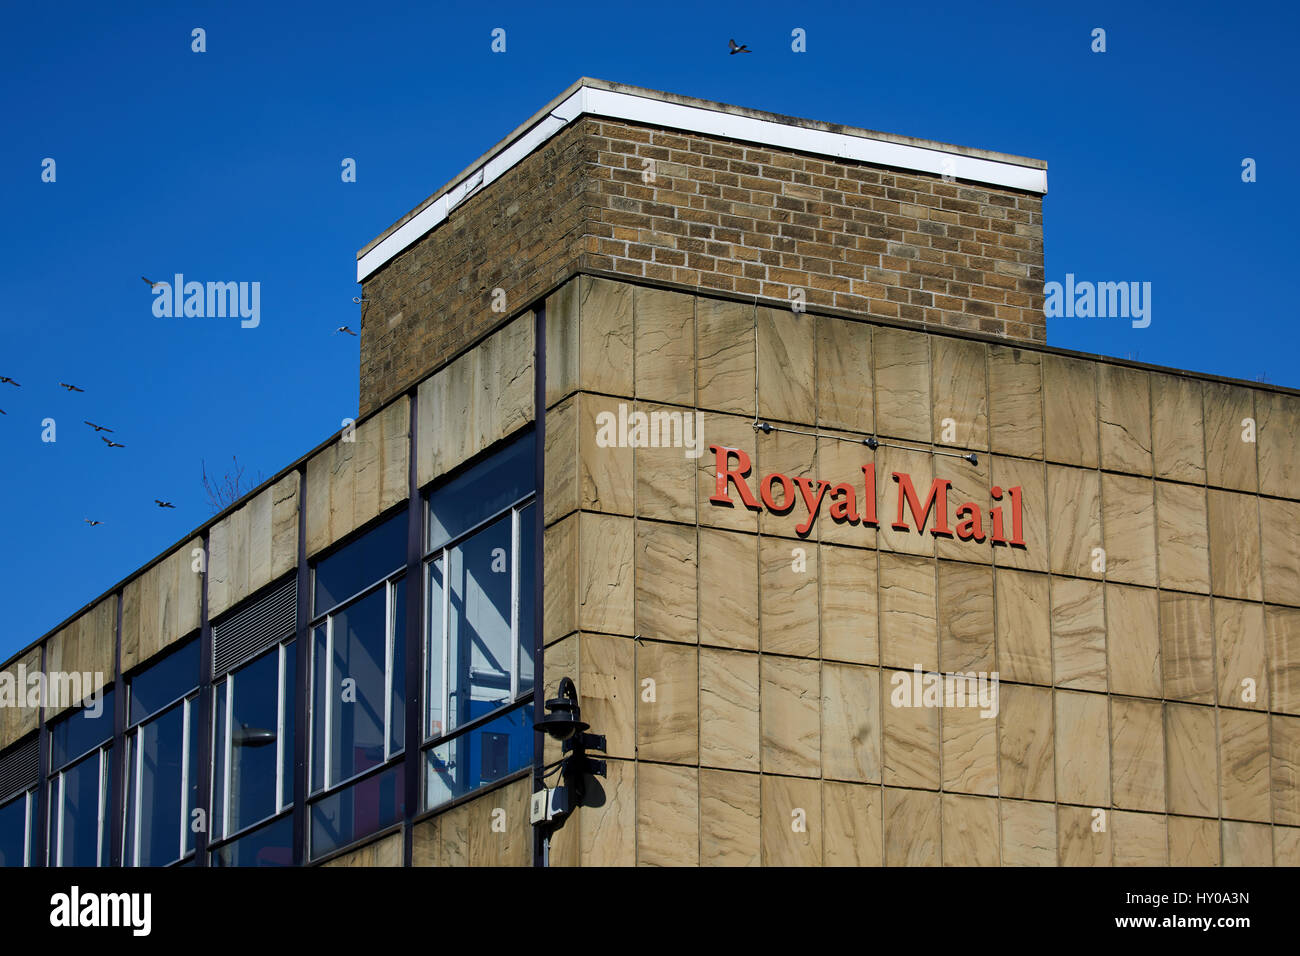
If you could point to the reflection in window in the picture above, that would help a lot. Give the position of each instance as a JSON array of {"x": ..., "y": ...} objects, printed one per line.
[
  {"x": 163, "y": 683},
  {"x": 358, "y": 721},
  {"x": 353, "y": 568},
  {"x": 349, "y": 814},
  {"x": 270, "y": 845},
  {"x": 253, "y": 753},
  {"x": 80, "y": 784},
  {"x": 79, "y": 825},
  {"x": 161, "y": 760},
  {"x": 81, "y": 732},
  {"x": 480, "y": 756},
  {"x": 16, "y": 820},
  {"x": 358, "y": 668},
  {"x": 479, "y": 581}
]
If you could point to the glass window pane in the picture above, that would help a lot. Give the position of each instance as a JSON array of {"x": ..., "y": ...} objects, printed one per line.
[
  {"x": 354, "y": 703},
  {"x": 218, "y": 762},
  {"x": 288, "y": 706},
  {"x": 434, "y": 688},
  {"x": 479, "y": 623},
  {"x": 397, "y": 693},
  {"x": 486, "y": 489},
  {"x": 353, "y": 568},
  {"x": 85, "y": 730},
  {"x": 160, "y": 794},
  {"x": 320, "y": 675},
  {"x": 82, "y": 800},
  {"x": 272, "y": 845},
  {"x": 488, "y": 753},
  {"x": 191, "y": 776},
  {"x": 355, "y": 811},
  {"x": 254, "y": 726},
  {"x": 128, "y": 777},
  {"x": 163, "y": 683},
  {"x": 527, "y": 581},
  {"x": 13, "y": 832}
]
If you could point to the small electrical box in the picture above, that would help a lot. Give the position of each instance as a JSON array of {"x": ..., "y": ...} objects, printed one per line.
[{"x": 549, "y": 804}]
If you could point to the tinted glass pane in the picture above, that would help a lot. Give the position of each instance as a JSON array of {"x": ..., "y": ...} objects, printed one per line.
[
  {"x": 287, "y": 705},
  {"x": 159, "y": 795},
  {"x": 484, "y": 490},
  {"x": 254, "y": 726},
  {"x": 80, "y": 818},
  {"x": 191, "y": 779},
  {"x": 354, "y": 702},
  {"x": 527, "y": 580},
  {"x": 467, "y": 762},
  {"x": 397, "y": 697},
  {"x": 434, "y": 687},
  {"x": 13, "y": 832},
  {"x": 82, "y": 732},
  {"x": 352, "y": 569},
  {"x": 272, "y": 845},
  {"x": 169, "y": 680},
  {"x": 362, "y": 808},
  {"x": 219, "y": 762},
  {"x": 319, "y": 676},
  {"x": 479, "y": 623}
]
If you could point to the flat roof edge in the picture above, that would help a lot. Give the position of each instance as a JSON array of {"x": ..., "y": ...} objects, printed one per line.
[{"x": 588, "y": 97}]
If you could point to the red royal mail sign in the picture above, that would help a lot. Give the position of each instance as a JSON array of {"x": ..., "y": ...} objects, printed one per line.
[{"x": 780, "y": 494}]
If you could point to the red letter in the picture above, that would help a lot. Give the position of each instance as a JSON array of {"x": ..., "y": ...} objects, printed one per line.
[
  {"x": 1017, "y": 528},
  {"x": 725, "y": 474},
  {"x": 787, "y": 490},
  {"x": 805, "y": 488},
  {"x": 844, "y": 504},
  {"x": 996, "y": 515},
  {"x": 969, "y": 527},
  {"x": 869, "y": 494},
  {"x": 938, "y": 497}
]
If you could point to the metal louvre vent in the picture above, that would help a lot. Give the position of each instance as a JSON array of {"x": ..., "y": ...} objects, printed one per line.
[
  {"x": 255, "y": 628},
  {"x": 19, "y": 770}
]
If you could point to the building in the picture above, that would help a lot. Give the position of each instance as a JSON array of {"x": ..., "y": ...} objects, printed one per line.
[{"x": 745, "y": 424}]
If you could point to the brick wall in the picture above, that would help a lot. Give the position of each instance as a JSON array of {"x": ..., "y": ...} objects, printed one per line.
[
  {"x": 522, "y": 234},
  {"x": 718, "y": 215}
]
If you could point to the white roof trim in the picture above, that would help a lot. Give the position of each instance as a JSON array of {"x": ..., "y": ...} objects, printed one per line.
[{"x": 696, "y": 119}]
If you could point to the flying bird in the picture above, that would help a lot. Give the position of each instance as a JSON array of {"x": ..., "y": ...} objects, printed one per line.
[
  {"x": 98, "y": 428},
  {"x": 6, "y": 378},
  {"x": 344, "y": 328},
  {"x": 110, "y": 444},
  {"x": 163, "y": 504},
  {"x": 152, "y": 284},
  {"x": 70, "y": 388},
  {"x": 3, "y": 412},
  {"x": 739, "y": 48},
  {"x": 91, "y": 523}
]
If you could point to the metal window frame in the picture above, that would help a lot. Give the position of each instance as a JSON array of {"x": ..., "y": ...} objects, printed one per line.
[
  {"x": 391, "y": 624},
  {"x": 226, "y": 686},
  {"x": 279, "y": 726},
  {"x": 29, "y": 800},
  {"x": 134, "y": 753},
  {"x": 129, "y": 686},
  {"x": 515, "y": 511}
]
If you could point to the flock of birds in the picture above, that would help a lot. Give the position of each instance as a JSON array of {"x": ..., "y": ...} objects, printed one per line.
[{"x": 6, "y": 380}]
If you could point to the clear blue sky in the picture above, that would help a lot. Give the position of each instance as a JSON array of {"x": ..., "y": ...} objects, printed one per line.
[{"x": 225, "y": 166}]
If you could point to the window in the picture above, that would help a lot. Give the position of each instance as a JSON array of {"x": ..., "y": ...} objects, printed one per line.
[
  {"x": 358, "y": 666},
  {"x": 80, "y": 785},
  {"x": 479, "y": 578},
  {"x": 17, "y": 818},
  {"x": 253, "y": 742},
  {"x": 161, "y": 760}
]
